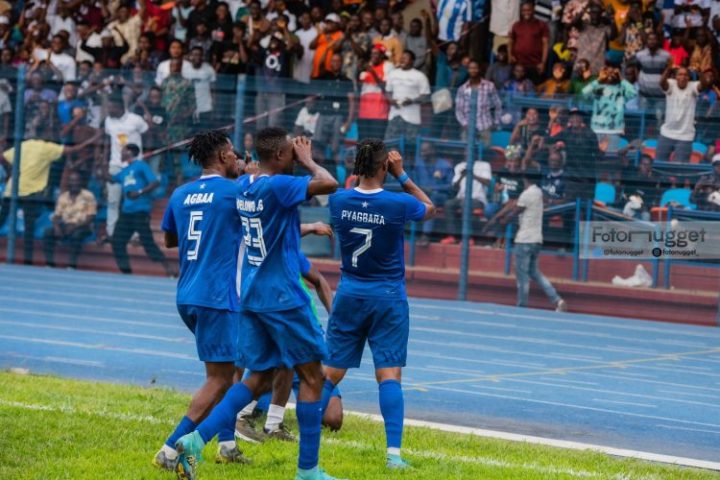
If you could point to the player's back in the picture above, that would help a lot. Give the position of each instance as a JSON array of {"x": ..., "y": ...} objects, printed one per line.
[
  {"x": 203, "y": 214},
  {"x": 271, "y": 233},
  {"x": 370, "y": 226}
]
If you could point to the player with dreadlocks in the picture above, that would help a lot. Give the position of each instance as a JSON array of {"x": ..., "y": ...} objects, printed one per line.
[
  {"x": 371, "y": 301},
  {"x": 203, "y": 222}
]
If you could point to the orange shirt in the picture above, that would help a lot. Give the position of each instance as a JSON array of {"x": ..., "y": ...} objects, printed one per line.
[
  {"x": 323, "y": 44},
  {"x": 621, "y": 11}
]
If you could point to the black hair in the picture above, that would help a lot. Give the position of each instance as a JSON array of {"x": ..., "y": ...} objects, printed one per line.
[
  {"x": 503, "y": 48},
  {"x": 198, "y": 47},
  {"x": 204, "y": 145},
  {"x": 150, "y": 36},
  {"x": 268, "y": 141},
  {"x": 532, "y": 175},
  {"x": 370, "y": 155},
  {"x": 117, "y": 99},
  {"x": 132, "y": 148},
  {"x": 411, "y": 53}
]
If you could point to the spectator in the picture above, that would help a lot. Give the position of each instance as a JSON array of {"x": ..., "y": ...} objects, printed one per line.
[
  {"x": 72, "y": 221},
  {"x": 508, "y": 186},
  {"x": 553, "y": 182},
  {"x": 529, "y": 42},
  {"x": 325, "y": 43},
  {"x": 88, "y": 37},
  {"x": 678, "y": 47},
  {"x": 202, "y": 76},
  {"x": 617, "y": 13},
  {"x": 138, "y": 182},
  {"x": 408, "y": 89},
  {"x": 157, "y": 21},
  {"x": 368, "y": 24},
  {"x": 146, "y": 56},
  {"x": 504, "y": 15},
  {"x": 434, "y": 173},
  {"x": 558, "y": 84},
  {"x": 201, "y": 13},
  {"x": 453, "y": 207},
  {"x": 180, "y": 13},
  {"x": 677, "y": 133},
  {"x": 43, "y": 122},
  {"x": 278, "y": 8},
  {"x": 499, "y": 72},
  {"x": 127, "y": 28},
  {"x": 108, "y": 54},
  {"x": 528, "y": 243},
  {"x": 526, "y": 129},
  {"x": 582, "y": 156},
  {"x": 307, "y": 119},
  {"x": 235, "y": 58},
  {"x": 175, "y": 52},
  {"x": 704, "y": 53},
  {"x": 64, "y": 63},
  {"x": 609, "y": 94},
  {"x": 642, "y": 189},
  {"x": 389, "y": 40},
  {"x": 38, "y": 92},
  {"x": 66, "y": 107},
  {"x": 336, "y": 106},
  {"x": 704, "y": 188},
  {"x": 593, "y": 37},
  {"x": 450, "y": 73},
  {"x": 122, "y": 127},
  {"x": 652, "y": 62},
  {"x": 272, "y": 67},
  {"x": 154, "y": 114},
  {"x": 417, "y": 43},
  {"x": 557, "y": 120},
  {"x": 632, "y": 30},
  {"x": 306, "y": 34},
  {"x": 398, "y": 27},
  {"x": 582, "y": 77},
  {"x": 487, "y": 101},
  {"x": 355, "y": 48},
  {"x": 82, "y": 161},
  {"x": 202, "y": 39},
  {"x": 38, "y": 154},
  {"x": 5, "y": 112},
  {"x": 179, "y": 100},
  {"x": 63, "y": 21},
  {"x": 256, "y": 21},
  {"x": 221, "y": 30},
  {"x": 373, "y": 107},
  {"x": 519, "y": 84},
  {"x": 453, "y": 18}
]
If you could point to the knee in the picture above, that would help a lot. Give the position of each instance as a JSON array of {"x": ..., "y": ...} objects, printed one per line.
[{"x": 333, "y": 418}]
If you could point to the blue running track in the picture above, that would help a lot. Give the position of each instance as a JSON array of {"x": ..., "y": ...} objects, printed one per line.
[{"x": 647, "y": 386}]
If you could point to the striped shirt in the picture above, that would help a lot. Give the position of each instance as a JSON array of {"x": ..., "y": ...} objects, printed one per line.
[
  {"x": 652, "y": 67},
  {"x": 451, "y": 15},
  {"x": 488, "y": 100}
]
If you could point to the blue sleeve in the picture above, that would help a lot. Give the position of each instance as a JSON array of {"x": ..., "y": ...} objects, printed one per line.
[
  {"x": 148, "y": 173},
  {"x": 168, "y": 221},
  {"x": 305, "y": 265},
  {"x": 414, "y": 208},
  {"x": 120, "y": 176},
  {"x": 291, "y": 191}
]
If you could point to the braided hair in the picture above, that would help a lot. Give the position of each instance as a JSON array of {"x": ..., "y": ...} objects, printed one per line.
[
  {"x": 204, "y": 145},
  {"x": 371, "y": 153}
]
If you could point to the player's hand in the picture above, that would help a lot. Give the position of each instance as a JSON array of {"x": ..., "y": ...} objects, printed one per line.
[
  {"x": 303, "y": 150},
  {"x": 322, "y": 229},
  {"x": 395, "y": 163},
  {"x": 134, "y": 194}
]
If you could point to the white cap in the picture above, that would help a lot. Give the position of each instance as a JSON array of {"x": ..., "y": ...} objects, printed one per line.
[
  {"x": 332, "y": 17},
  {"x": 4, "y": 20},
  {"x": 715, "y": 159}
]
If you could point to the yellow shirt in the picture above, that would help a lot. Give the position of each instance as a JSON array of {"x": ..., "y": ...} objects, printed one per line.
[
  {"x": 621, "y": 11},
  {"x": 76, "y": 211},
  {"x": 36, "y": 156}
]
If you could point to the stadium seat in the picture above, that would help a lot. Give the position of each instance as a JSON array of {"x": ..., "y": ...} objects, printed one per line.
[
  {"x": 500, "y": 138},
  {"x": 678, "y": 196},
  {"x": 605, "y": 193}
]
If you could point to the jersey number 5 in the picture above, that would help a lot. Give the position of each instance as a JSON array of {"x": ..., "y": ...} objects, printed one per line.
[
  {"x": 363, "y": 248},
  {"x": 194, "y": 234}
]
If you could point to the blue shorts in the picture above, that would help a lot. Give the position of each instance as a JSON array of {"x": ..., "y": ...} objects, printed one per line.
[
  {"x": 280, "y": 339},
  {"x": 383, "y": 323},
  {"x": 216, "y": 332}
]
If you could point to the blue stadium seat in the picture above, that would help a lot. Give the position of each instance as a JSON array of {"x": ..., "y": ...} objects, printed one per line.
[
  {"x": 680, "y": 196},
  {"x": 605, "y": 193},
  {"x": 699, "y": 147},
  {"x": 500, "y": 138}
]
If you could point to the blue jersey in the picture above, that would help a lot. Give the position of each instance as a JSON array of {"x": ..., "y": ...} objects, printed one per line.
[
  {"x": 204, "y": 217},
  {"x": 268, "y": 206},
  {"x": 370, "y": 227},
  {"x": 134, "y": 177}
]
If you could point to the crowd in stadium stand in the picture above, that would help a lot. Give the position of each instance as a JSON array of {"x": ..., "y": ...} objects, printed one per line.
[{"x": 146, "y": 73}]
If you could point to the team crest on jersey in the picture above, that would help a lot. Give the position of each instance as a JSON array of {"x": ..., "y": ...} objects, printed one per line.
[{"x": 198, "y": 198}]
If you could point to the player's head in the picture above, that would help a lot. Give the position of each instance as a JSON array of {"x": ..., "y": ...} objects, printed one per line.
[
  {"x": 371, "y": 159},
  {"x": 275, "y": 150},
  {"x": 213, "y": 150}
]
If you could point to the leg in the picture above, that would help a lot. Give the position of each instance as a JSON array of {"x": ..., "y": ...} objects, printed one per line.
[
  {"x": 50, "y": 247},
  {"x": 394, "y": 129},
  {"x": 123, "y": 231},
  {"x": 451, "y": 216},
  {"x": 537, "y": 275},
  {"x": 282, "y": 386},
  {"x": 114, "y": 195},
  {"x": 32, "y": 207},
  {"x": 76, "y": 240},
  {"x": 309, "y": 414},
  {"x": 522, "y": 272},
  {"x": 683, "y": 151},
  {"x": 665, "y": 146},
  {"x": 333, "y": 417},
  {"x": 148, "y": 242}
]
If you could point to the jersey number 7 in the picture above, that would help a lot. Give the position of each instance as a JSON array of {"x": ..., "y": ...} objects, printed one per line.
[{"x": 363, "y": 248}]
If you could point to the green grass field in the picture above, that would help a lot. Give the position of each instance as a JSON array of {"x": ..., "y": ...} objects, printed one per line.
[{"x": 52, "y": 428}]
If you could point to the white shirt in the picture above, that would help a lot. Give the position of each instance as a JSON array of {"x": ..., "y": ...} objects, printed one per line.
[
  {"x": 5, "y": 105},
  {"x": 407, "y": 84},
  {"x": 131, "y": 31},
  {"x": 303, "y": 67},
  {"x": 530, "y": 221},
  {"x": 201, "y": 78},
  {"x": 680, "y": 112},
  {"x": 66, "y": 64},
  {"x": 57, "y": 24},
  {"x": 122, "y": 131},
  {"x": 306, "y": 120},
  {"x": 163, "y": 71},
  {"x": 481, "y": 170},
  {"x": 93, "y": 41},
  {"x": 504, "y": 14},
  {"x": 451, "y": 15},
  {"x": 292, "y": 20}
]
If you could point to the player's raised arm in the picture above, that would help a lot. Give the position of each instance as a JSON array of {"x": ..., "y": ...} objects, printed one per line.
[
  {"x": 322, "y": 287},
  {"x": 318, "y": 228},
  {"x": 322, "y": 182},
  {"x": 395, "y": 167}
]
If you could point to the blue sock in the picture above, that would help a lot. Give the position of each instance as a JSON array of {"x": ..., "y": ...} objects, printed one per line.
[
  {"x": 264, "y": 402},
  {"x": 327, "y": 390},
  {"x": 224, "y": 414},
  {"x": 226, "y": 435},
  {"x": 309, "y": 417},
  {"x": 392, "y": 407},
  {"x": 184, "y": 427}
]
